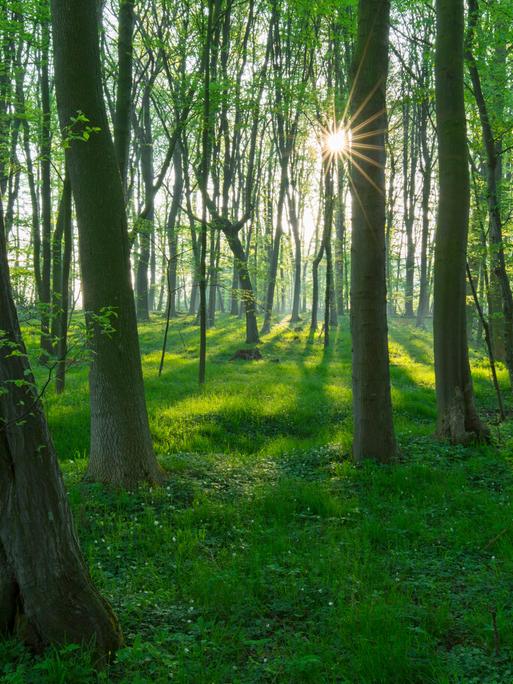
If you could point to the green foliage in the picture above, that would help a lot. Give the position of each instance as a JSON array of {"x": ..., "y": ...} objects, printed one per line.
[{"x": 79, "y": 129}]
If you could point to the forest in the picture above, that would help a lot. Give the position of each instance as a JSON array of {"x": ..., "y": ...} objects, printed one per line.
[{"x": 256, "y": 341}]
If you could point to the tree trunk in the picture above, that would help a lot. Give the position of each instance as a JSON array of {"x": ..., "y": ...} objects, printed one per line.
[
  {"x": 121, "y": 448},
  {"x": 457, "y": 417},
  {"x": 409, "y": 173},
  {"x": 145, "y": 224},
  {"x": 124, "y": 86},
  {"x": 46, "y": 594},
  {"x": 246, "y": 288},
  {"x": 423, "y": 306},
  {"x": 62, "y": 330},
  {"x": 294, "y": 224},
  {"x": 46, "y": 191},
  {"x": 372, "y": 406},
  {"x": 61, "y": 259},
  {"x": 172, "y": 235},
  {"x": 235, "y": 295},
  {"x": 328, "y": 219},
  {"x": 275, "y": 253},
  {"x": 493, "y": 174},
  {"x": 340, "y": 238}
]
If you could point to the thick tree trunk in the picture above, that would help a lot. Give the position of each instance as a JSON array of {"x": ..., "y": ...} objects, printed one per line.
[
  {"x": 121, "y": 448},
  {"x": 457, "y": 417},
  {"x": 46, "y": 594},
  {"x": 372, "y": 406}
]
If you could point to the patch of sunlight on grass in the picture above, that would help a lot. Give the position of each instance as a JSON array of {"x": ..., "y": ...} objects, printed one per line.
[{"x": 298, "y": 396}]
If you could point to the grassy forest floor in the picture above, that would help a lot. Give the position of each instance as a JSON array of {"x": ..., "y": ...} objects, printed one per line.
[{"x": 268, "y": 557}]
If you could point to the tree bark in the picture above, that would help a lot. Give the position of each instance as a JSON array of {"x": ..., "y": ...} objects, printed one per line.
[
  {"x": 294, "y": 224},
  {"x": 121, "y": 448},
  {"x": 124, "y": 86},
  {"x": 46, "y": 594},
  {"x": 61, "y": 283},
  {"x": 493, "y": 172},
  {"x": 457, "y": 416},
  {"x": 145, "y": 222},
  {"x": 426, "y": 168},
  {"x": 372, "y": 406},
  {"x": 46, "y": 191},
  {"x": 172, "y": 235},
  {"x": 247, "y": 294},
  {"x": 275, "y": 250}
]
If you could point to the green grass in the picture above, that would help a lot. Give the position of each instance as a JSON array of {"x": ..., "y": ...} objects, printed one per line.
[{"x": 268, "y": 557}]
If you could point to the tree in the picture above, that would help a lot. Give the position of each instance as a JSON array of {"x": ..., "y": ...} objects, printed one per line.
[
  {"x": 457, "y": 417},
  {"x": 493, "y": 178},
  {"x": 121, "y": 448},
  {"x": 372, "y": 406},
  {"x": 124, "y": 85},
  {"x": 46, "y": 593}
]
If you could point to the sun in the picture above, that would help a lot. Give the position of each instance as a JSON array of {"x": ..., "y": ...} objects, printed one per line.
[{"x": 337, "y": 142}]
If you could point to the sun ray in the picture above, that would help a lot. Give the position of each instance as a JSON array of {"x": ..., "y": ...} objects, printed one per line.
[
  {"x": 367, "y": 121},
  {"x": 367, "y": 159},
  {"x": 368, "y": 134},
  {"x": 356, "y": 114},
  {"x": 367, "y": 177},
  {"x": 356, "y": 194},
  {"x": 367, "y": 146}
]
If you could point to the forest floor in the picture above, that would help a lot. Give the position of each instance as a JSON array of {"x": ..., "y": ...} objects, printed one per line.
[{"x": 267, "y": 556}]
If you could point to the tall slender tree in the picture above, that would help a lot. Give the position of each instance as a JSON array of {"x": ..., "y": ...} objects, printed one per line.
[
  {"x": 457, "y": 416},
  {"x": 372, "y": 406},
  {"x": 121, "y": 448}
]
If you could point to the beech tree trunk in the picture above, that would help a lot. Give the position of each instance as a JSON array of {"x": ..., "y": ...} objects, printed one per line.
[
  {"x": 457, "y": 417},
  {"x": 46, "y": 191},
  {"x": 121, "y": 448},
  {"x": 46, "y": 594},
  {"x": 426, "y": 169},
  {"x": 246, "y": 289},
  {"x": 61, "y": 258},
  {"x": 294, "y": 224},
  {"x": 124, "y": 85},
  {"x": 145, "y": 223},
  {"x": 493, "y": 177},
  {"x": 340, "y": 238},
  {"x": 275, "y": 252},
  {"x": 372, "y": 406},
  {"x": 172, "y": 234}
]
